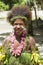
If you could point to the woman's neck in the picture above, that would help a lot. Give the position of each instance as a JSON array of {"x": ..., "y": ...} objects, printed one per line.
[{"x": 18, "y": 38}]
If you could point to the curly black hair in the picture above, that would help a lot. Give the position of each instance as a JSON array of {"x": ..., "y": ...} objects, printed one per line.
[{"x": 19, "y": 11}]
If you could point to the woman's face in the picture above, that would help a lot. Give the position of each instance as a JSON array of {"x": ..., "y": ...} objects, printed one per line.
[{"x": 18, "y": 26}]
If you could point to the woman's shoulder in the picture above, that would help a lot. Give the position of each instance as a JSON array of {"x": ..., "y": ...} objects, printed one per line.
[
  {"x": 6, "y": 40},
  {"x": 30, "y": 37}
]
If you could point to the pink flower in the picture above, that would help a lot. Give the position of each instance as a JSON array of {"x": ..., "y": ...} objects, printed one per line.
[
  {"x": 24, "y": 33},
  {"x": 12, "y": 37},
  {"x": 17, "y": 51}
]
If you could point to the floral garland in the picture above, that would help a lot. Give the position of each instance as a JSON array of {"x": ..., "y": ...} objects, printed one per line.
[{"x": 19, "y": 48}]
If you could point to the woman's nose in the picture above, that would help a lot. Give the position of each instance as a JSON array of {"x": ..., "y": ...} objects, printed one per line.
[{"x": 18, "y": 26}]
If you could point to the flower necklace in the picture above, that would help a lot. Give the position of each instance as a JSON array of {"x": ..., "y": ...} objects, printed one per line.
[{"x": 19, "y": 48}]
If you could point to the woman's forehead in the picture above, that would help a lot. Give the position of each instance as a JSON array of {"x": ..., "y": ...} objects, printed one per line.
[{"x": 19, "y": 21}]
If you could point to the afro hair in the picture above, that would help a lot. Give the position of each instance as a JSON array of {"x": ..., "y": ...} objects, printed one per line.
[{"x": 19, "y": 11}]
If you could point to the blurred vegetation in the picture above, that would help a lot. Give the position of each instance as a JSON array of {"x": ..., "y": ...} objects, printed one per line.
[
  {"x": 10, "y": 3},
  {"x": 3, "y": 6},
  {"x": 31, "y": 3}
]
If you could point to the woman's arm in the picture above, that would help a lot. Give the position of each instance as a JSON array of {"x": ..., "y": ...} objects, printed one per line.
[{"x": 32, "y": 42}]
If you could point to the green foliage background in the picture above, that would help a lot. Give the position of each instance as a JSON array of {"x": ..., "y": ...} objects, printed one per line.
[
  {"x": 9, "y": 3},
  {"x": 3, "y": 6}
]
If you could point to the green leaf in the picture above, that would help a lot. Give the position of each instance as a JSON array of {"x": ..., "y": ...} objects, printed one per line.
[{"x": 25, "y": 58}]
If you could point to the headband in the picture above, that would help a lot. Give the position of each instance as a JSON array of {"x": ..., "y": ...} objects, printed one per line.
[{"x": 16, "y": 17}]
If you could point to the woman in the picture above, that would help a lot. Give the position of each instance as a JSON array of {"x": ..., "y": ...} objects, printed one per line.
[{"x": 19, "y": 41}]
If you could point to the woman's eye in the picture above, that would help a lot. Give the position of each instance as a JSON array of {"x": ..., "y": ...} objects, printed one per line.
[
  {"x": 15, "y": 24},
  {"x": 18, "y": 24}
]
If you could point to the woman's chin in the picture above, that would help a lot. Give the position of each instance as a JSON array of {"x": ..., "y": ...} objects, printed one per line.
[{"x": 18, "y": 33}]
